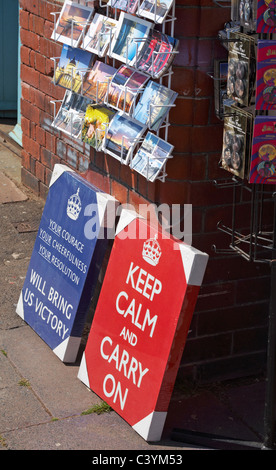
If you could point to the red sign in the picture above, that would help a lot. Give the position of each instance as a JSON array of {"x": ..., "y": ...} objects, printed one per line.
[{"x": 141, "y": 323}]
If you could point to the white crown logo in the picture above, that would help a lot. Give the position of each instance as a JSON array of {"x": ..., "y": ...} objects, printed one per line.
[
  {"x": 152, "y": 251},
  {"x": 74, "y": 206}
]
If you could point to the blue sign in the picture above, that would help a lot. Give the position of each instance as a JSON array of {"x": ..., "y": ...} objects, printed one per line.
[{"x": 66, "y": 260}]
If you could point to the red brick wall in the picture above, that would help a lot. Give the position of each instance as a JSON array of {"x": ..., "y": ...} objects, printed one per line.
[{"x": 228, "y": 331}]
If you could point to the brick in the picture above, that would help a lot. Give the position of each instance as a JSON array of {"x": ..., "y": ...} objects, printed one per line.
[
  {"x": 83, "y": 163},
  {"x": 146, "y": 187},
  {"x": 137, "y": 201},
  {"x": 119, "y": 191},
  {"x": 46, "y": 157},
  {"x": 25, "y": 160},
  {"x": 187, "y": 167},
  {"x": 33, "y": 131},
  {"x": 29, "y": 75},
  {"x": 249, "y": 340},
  {"x": 26, "y": 126},
  {"x": 46, "y": 8},
  {"x": 31, "y": 5},
  {"x": 40, "y": 136},
  {"x": 61, "y": 149},
  {"x": 188, "y": 21},
  {"x": 25, "y": 55},
  {"x": 31, "y": 146},
  {"x": 40, "y": 63},
  {"x": 202, "y": 108},
  {"x": 183, "y": 81},
  {"x": 24, "y": 19},
  {"x": 39, "y": 99},
  {"x": 50, "y": 142},
  {"x": 205, "y": 193},
  {"x": 187, "y": 52},
  {"x": 206, "y": 138},
  {"x": 29, "y": 39},
  {"x": 180, "y": 137},
  {"x": 215, "y": 171},
  {"x": 204, "y": 84},
  {"x": 201, "y": 349},
  {"x": 45, "y": 85},
  {"x": 100, "y": 181},
  {"x": 36, "y": 24},
  {"x": 32, "y": 164},
  {"x": 30, "y": 181},
  {"x": 212, "y": 20},
  {"x": 25, "y": 91},
  {"x": 215, "y": 296},
  {"x": 40, "y": 171},
  {"x": 217, "y": 370},
  {"x": 111, "y": 166},
  {"x": 223, "y": 213},
  {"x": 234, "y": 268},
  {"x": 172, "y": 192},
  {"x": 259, "y": 289},
  {"x": 72, "y": 157},
  {"x": 43, "y": 190},
  {"x": 49, "y": 67},
  {"x": 30, "y": 111},
  {"x": 49, "y": 48},
  {"x": 205, "y": 53},
  {"x": 54, "y": 159},
  {"x": 48, "y": 29},
  {"x": 183, "y": 111},
  {"x": 209, "y": 3},
  {"x": 222, "y": 320},
  {"x": 128, "y": 177}
]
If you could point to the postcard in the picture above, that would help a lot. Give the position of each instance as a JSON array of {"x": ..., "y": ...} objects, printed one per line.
[
  {"x": 100, "y": 34},
  {"x": 157, "y": 53},
  {"x": 266, "y": 19},
  {"x": 95, "y": 123},
  {"x": 151, "y": 157},
  {"x": 70, "y": 116},
  {"x": 97, "y": 80},
  {"x": 247, "y": 13},
  {"x": 220, "y": 85},
  {"x": 122, "y": 136},
  {"x": 130, "y": 6},
  {"x": 71, "y": 23},
  {"x": 154, "y": 105},
  {"x": 72, "y": 68},
  {"x": 241, "y": 79},
  {"x": 155, "y": 10},
  {"x": 236, "y": 137},
  {"x": 266, "y": 75},
  {"x": 124, "y": 88},
  {"x": 129, "y": 38},
  {"x": 263, "y": 159}
]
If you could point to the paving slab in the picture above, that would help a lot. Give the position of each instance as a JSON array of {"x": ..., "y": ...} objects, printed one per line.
[
  {"x": 89, "y": 432},
  {"x": 9, "y": 192},
  {"x": 247, "y": 402},
  {"x": 55, "y": 383},
  {"x": 8, "y": 375},
  {"x": 206, "y": 413},
  {"x": 20, "y": 408}
]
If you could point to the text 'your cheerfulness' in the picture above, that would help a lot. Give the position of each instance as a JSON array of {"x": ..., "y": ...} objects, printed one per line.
[{"x": 125, "y": 362}]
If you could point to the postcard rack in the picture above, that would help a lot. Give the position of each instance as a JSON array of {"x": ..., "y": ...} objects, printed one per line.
[
  {"x": 76, "y": 83},
  {"x": 259, "y": 246},
  {"x": 256, "y": 244}
]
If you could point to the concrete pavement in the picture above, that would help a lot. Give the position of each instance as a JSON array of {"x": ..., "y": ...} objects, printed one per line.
[{"x": 41, "y": 399}]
